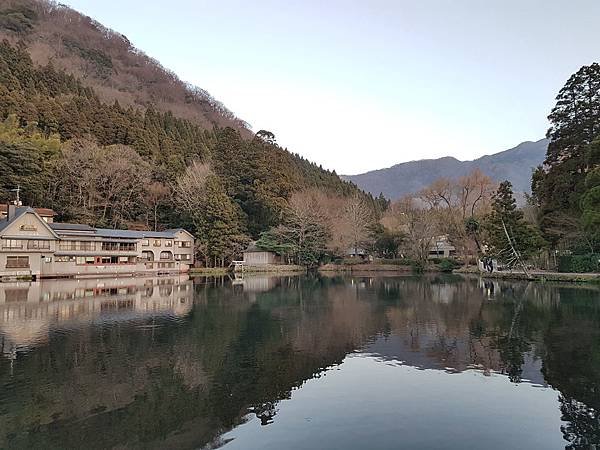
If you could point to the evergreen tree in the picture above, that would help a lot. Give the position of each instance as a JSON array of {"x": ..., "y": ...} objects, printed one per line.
[
  {"x": 590, "y": 206},
  {"x": 507, "y": 218},
  {"x": 558, "y": 186}
]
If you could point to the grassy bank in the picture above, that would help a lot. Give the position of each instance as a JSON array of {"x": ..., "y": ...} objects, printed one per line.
[{"x": 546, "y": 276}]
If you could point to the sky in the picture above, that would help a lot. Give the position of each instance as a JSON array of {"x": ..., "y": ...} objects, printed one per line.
[{"x": 361, "y": 85}]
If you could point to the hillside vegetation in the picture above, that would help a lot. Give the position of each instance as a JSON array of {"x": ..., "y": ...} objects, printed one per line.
[
  {"x": 106, "y": 61},
  {"x": 126, "y": 162}
]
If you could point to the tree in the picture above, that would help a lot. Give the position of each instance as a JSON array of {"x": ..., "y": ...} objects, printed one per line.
[
  {"x": 386, "y": 243},
  {"x": 456, "y": 205},
  {"x": 156, "y": 193},
  {"x": 575, "y": 120},
  {"x": 590, "y": 206},
  {"x": 216, "y": 218},
  {"x": 305, "y": 232},
  {"x": 559, "y": 184},
  {"x": 504, "y": 219},
  {"x": 416, "y": 223},
  {"x": 101, "y": 185},
  {"x": 357, "y": 218}
]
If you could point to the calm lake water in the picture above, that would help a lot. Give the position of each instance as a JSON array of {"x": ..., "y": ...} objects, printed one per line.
[{"x": 299, "y": 363}]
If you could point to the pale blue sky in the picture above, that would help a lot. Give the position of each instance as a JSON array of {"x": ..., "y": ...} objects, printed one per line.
[{"x": 360, "y": 85}]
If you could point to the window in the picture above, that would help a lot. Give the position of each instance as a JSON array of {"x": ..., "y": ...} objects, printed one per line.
[
  {"x": 86, "y": 260},
  {"x": 12, "y": 243},
  {"x": 147, "y": 255},
  {"x": 85, "y": 246},
  {"x": 145, "y": 242},
  {"x": 156, "y": 242},
  {"x": 182, "y": 257},
  {"x": 168, "y": 243},
  {"x": 38, "y": 245},
  {"x": 118, "y": 246},
  {"x": 166, "y": 255},
  {"x": 64, "y": 258},
  {"x": 17, "y": 262}
]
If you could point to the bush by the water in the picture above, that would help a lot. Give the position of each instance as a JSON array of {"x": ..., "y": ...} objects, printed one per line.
[
  {"x": 447, "y": 265},
  {"x": 579, "y": 263}
]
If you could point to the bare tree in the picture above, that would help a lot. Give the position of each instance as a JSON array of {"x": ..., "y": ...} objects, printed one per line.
[
  {"x": 190, "y": 187},
  {"x": 416, "y": 222},
  {"x": 156, "y": 193},
  {"x": 105, "y": 184},
  {"x": 357, "y": 217}
]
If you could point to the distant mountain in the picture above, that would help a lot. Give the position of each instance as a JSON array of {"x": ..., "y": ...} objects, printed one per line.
[{"x": 514, "y": 165}]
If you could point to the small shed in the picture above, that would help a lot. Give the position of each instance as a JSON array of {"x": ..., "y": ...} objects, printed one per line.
[
  {"x": 255, "y": 256},
  {"x": 442, "y": 248}
]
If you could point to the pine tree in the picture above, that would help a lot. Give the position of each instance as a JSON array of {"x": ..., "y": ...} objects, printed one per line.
[
  {"x": 507, "y": 218},
  {"x": 558, "y": 186}
]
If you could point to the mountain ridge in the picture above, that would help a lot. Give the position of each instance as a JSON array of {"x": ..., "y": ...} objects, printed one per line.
[
  {"x": 514, "y": 164},
  {"x": 105, "y": 60}
]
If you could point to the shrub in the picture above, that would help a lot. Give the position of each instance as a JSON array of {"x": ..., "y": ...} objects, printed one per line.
[
  {"x": 579, "y": 263},
  {"x": 400, "y": 262},
  {"x": 447, "y": 265}
]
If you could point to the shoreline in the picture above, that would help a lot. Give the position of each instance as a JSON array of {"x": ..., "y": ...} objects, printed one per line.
[
  {"x": 391, "y": 269},
  {"x": 539, "y": 276}
]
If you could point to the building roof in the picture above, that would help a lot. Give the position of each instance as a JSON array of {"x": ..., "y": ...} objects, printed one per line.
[
  {"x": 71, "y": 227},
  {"x": 19, "y": 211},
  {"x": 42, "y": 212},
  {"x": 76, "y": 228},
  {"x": 253, "y": 248},
  {"x": 132, "y": 234}
]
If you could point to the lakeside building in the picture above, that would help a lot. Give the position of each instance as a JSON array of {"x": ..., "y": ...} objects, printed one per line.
[
  {"x": 33, "y": 245},
  {"x": 441, "y": 248},
  {"x": 255, "y": 256}
]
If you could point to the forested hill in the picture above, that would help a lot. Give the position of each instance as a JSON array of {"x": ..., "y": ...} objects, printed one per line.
[
  {"x": 515, "y": 165},
  {"x": 72, "y": 142},
  {"x": 106, "y": 61}
]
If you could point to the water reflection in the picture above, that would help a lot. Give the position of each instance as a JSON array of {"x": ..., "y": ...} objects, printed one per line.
[
  {"x": 166, "y": 363},
  {"x": 29, "y": 311}
]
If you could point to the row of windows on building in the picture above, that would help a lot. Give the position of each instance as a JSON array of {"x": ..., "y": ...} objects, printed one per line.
[
  {"x": 14, "y": 244},
  {"x": 87, "y": 245},
  {"x": 22, "y": 262},
  {"x": 168, "y": 243}
]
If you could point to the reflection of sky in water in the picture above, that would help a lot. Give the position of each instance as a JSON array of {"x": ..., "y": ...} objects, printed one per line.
[{"x": 369, "y": 403}]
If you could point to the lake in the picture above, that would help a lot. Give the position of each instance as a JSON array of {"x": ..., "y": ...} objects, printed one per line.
[{"x": 299, "y": 362}]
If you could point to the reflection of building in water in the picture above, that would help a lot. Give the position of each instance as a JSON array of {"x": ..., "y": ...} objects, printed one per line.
[
  {"x": 29, "y": 311},
  {"x": 255, "y": 283}
]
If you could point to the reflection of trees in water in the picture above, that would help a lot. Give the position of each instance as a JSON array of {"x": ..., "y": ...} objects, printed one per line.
[
  {"x": 237, "y": 354},
  {"x": 572, "y": 364}
]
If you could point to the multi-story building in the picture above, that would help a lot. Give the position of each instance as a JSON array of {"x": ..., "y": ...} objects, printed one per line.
[{"x": 32, "y": 245}]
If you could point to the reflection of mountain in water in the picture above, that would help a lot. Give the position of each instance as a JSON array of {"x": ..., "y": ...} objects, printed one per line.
[
  {"x": 242, "y": 348},
  {"x": 30, "y": 311}
]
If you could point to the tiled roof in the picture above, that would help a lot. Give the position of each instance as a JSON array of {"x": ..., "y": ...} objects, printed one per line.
[
  {"x": 77, "y": 228},
  {"x": 109, "y": 232},
  {"x": 57, "y": 226}
]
